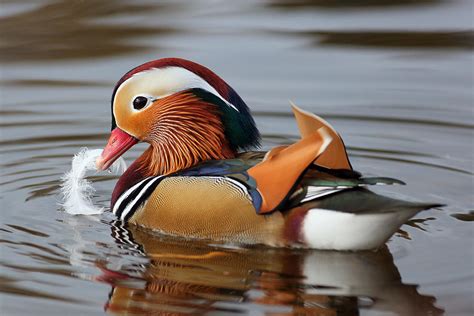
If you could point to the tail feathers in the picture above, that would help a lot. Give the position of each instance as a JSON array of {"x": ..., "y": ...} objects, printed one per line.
[
  {"x": 277, "y": 175},
  {"x": 354, "y": 219},
  {"x": 335, "y": 156},
  {"x": 362, "y": 201}
]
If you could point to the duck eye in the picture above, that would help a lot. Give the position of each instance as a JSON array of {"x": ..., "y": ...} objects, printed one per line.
[{"x": 140, "y": 102}]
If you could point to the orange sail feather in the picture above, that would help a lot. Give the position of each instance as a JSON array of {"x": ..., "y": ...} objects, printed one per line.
[
  {"x": 335, "y": 156},
  {"x": 277, "y": 174}
]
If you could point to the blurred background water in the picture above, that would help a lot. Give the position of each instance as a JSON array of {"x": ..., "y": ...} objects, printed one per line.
[{"x": 395, "y": 77}]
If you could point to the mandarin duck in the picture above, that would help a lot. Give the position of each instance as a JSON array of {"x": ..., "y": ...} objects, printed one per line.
[{"x": 199, "y": 178}]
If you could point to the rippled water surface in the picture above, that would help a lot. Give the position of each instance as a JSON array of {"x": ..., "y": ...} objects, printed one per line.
[{"x": 394, "y": 77}]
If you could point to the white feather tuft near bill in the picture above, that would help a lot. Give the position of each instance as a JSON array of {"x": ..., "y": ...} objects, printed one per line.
[{"x": 76, "y": 190}]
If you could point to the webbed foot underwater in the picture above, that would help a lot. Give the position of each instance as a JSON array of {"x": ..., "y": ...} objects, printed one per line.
[{"x": 199, "y": 178}]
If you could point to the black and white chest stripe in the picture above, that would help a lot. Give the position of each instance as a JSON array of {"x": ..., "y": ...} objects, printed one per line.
[{"x": 130, "y": 201}]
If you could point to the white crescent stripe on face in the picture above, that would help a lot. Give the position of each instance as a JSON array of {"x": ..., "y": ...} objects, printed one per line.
[{"x": 163, "y": 82}]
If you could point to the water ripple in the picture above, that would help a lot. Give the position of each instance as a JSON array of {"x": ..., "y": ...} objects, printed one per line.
[
  {"x": 61, "y": 30},
  {"x": 379, "y": 119},
  {"x": 415, "y": 162}
]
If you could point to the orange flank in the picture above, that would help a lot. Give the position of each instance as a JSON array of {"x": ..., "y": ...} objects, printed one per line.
[
  {"x": 275, "y": 150},
  {"x": 278, "y": 173}
]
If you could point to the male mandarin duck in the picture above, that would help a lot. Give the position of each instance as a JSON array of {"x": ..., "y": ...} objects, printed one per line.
[{"x": 197, "y": 178}]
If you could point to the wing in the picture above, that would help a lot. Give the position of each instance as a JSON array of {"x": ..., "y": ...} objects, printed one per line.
[
  {"x": 363, "y": 201},
  {"x": 317, "y": 184}
]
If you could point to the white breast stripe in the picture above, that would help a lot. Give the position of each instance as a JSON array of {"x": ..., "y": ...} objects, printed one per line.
[
  {"x": 127, "y": 208},
  {"x": 125, "y": 195},
  {"x": 137, "y": 198}
]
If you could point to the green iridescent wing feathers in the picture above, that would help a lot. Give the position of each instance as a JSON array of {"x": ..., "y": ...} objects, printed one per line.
[{"x": 237, "y": 169}]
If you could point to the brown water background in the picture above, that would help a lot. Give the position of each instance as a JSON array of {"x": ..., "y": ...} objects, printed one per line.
[{"x": 394, "y": 77}]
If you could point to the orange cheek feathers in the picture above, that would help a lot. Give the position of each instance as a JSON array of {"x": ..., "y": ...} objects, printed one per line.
[{"x": 137, "y": 124}]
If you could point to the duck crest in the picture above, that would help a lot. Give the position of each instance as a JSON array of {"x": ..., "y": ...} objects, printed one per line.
[{"x": 244, "y": 121}]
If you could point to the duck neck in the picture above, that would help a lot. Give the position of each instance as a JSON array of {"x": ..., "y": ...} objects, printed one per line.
[
  {"x": 186, "y": 132},
  {"x": 163, "y": 159}
]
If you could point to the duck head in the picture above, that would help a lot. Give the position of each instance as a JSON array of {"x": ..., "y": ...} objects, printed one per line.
[{"x": 184, "y": 111}]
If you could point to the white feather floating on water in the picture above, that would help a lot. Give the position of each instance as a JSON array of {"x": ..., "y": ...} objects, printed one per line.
[{"x": 76, "y": 190}]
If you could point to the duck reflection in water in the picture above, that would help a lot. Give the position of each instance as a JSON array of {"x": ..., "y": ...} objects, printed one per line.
[{"x": 182, "y": 277}]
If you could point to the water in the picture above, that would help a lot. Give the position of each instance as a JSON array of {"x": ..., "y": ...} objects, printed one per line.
[{"x": 394, "y": 77}]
